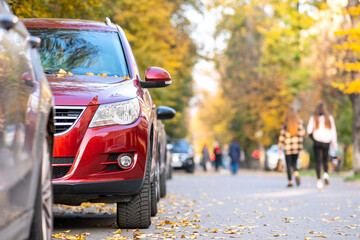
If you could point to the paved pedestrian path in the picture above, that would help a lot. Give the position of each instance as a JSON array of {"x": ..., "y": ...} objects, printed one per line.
[{"x": 250, "y": 205}]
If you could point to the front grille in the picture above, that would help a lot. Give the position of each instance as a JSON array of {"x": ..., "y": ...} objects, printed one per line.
[
  {"x": 58, "y": 172},
  {"x": 66, "y": 117},
  {"x": 63, "y": 160},
  {"x": 112, "y": 167}
]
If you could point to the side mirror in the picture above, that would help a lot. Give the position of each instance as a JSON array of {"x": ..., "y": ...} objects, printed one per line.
[
  {"x": 156, "y": 78},
  {"x": 165, "y": 113},
  {"x": 8, "y": 21}
]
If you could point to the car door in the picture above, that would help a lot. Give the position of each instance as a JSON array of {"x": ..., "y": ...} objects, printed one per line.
[{"x": 18, "y": 109}]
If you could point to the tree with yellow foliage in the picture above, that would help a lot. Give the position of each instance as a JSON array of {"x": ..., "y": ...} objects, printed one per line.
[{"x": 349, "y": 81}]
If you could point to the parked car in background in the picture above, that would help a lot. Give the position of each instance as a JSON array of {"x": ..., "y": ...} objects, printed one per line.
[
  {"x": 169, "y": 147},
  {"x": 183, "y": 155},
  {"x": 163, "y": 113},
  {"x": 26, "y": 135},
  {"x": 105, "y": 120}
]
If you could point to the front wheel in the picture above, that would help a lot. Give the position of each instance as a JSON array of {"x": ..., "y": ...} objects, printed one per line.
[
  {"x": 137, "y": 212},
  {"x": 42, "y": 221},
  {"x": 191, "y": 167}
]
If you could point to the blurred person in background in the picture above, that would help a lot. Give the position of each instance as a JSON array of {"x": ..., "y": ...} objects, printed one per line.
[
  {"x": 255, "y": 156},
  {"x": 218, "y": 156},
  {"x": 321, "y": 128},
  {"x": 205, "y": 158},
  {"x": 291, "y": 139},
  {"x": 234, "y": 153},
  {"x": 226, "y": 161}
]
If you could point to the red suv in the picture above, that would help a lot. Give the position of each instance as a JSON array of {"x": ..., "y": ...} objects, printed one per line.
[{"x": 105, "y": 121}]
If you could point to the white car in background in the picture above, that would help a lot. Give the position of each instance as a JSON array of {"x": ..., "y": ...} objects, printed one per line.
[{"x": 272, "y": 157}]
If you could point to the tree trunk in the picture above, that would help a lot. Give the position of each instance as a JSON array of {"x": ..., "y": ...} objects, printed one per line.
[{"x": 355, "y": 100}]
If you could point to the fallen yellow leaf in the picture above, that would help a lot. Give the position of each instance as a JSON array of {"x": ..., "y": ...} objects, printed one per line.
[{"x": 60, "y": 75}]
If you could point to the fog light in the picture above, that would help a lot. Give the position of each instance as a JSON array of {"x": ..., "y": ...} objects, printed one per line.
[{"x": 125, "y": 161}]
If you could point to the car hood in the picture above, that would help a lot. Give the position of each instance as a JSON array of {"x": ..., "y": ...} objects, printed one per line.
[{"x": 84, "y": 90}]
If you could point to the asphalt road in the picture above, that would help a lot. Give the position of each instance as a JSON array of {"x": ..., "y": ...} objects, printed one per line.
[{"x": 250, "y": 205}]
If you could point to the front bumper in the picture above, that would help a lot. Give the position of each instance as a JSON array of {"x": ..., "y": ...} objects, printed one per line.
[
  {"x": 96, "y": 192},
  {"x": 93, "y": 172},
  {"x": 123, "y": 187}
]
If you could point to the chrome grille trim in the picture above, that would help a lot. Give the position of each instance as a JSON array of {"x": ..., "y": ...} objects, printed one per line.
[{"x": 69, "y": 114}]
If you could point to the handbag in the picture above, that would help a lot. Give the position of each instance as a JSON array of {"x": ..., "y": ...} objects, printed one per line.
[{"x": 311, "y": 136}]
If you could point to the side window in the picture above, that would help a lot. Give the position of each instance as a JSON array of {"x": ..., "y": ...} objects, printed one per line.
[
  {"x": 14, "y": 64},
  {"x": 135, "y": 64},
  {"x": 132, "y": 60}
]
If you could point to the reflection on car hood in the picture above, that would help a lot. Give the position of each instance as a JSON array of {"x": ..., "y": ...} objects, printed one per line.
[{"x": 88, "y": 90}]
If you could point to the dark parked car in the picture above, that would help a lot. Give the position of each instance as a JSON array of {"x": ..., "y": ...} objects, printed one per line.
[
  {"x": 183, "y": 155},
  {"x": 165, "y": 165},
  {"x": 105, "y": 120},
  {"x": 26, "y": 135}
]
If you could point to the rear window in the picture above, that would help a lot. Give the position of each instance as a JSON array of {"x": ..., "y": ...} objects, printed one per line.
[
  {"x": 181, "y": 146},
  {"x": 81, "y": 51}
]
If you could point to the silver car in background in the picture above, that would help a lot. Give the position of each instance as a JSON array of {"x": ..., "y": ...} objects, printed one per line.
[{"x": 26, "y": 135}]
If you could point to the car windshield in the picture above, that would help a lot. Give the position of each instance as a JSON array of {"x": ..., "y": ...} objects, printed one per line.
[
  {"x": 81, "y": 51},
  {"x": 181, "y": 146}
]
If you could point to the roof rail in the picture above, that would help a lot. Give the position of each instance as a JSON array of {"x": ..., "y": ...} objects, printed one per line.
[{"x": 108, "y": 21}]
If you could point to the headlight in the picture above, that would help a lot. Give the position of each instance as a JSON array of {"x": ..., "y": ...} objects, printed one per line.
[{"x": 122, "y": 113}]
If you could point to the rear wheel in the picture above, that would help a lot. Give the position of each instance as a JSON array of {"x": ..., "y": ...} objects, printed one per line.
[
  {"x": 42, "y": 222},
  {"x": 163, "y": 184},
  {"x": 136, "y": 213},
  {"x": 155, "y": 190},
  {"x": 169, "y": 175}
]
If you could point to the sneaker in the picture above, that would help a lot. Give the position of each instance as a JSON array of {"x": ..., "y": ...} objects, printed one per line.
[
  {"x": 319, "y": 185},
  {"x": 326, "y": 178},
  {"x": 297, "y": 180},
  {"x": 290, "y": 185}
]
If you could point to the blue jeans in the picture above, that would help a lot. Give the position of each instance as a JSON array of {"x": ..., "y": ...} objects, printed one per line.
[{"x": 234, "y": 168}]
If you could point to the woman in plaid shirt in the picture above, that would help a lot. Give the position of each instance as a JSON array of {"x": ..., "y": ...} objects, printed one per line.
[{"x": 291, "y": 139}]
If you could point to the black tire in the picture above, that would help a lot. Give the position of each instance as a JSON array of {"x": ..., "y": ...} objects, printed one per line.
[
  {"x": 170, "y": 171},
  {"x": 163, "y": 184},
  {"x": 155, "y": 191},
  {"x": 42, "y": 222},
  {"x": 191, "y": 168},
  {"x": 137, "y": 212}
]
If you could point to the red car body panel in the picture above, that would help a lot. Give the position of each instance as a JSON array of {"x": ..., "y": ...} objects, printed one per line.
[
  {"x": 68, "y": 23},
  {"x": 82, "y": 90}
]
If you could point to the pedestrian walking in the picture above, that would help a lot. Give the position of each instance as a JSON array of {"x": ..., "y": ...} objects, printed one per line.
[
  {"x": 234, "y": 153},
  {"x": 256, "y": 158},
  {"x": 291, "y": 139},
  {"x": 218, "y": 156},
  {"x": 205, "y": 158},
  {"x": 321, "y": 128}
]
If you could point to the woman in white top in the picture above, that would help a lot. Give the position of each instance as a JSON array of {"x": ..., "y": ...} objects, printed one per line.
[{"x": 322, "y": 127}]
